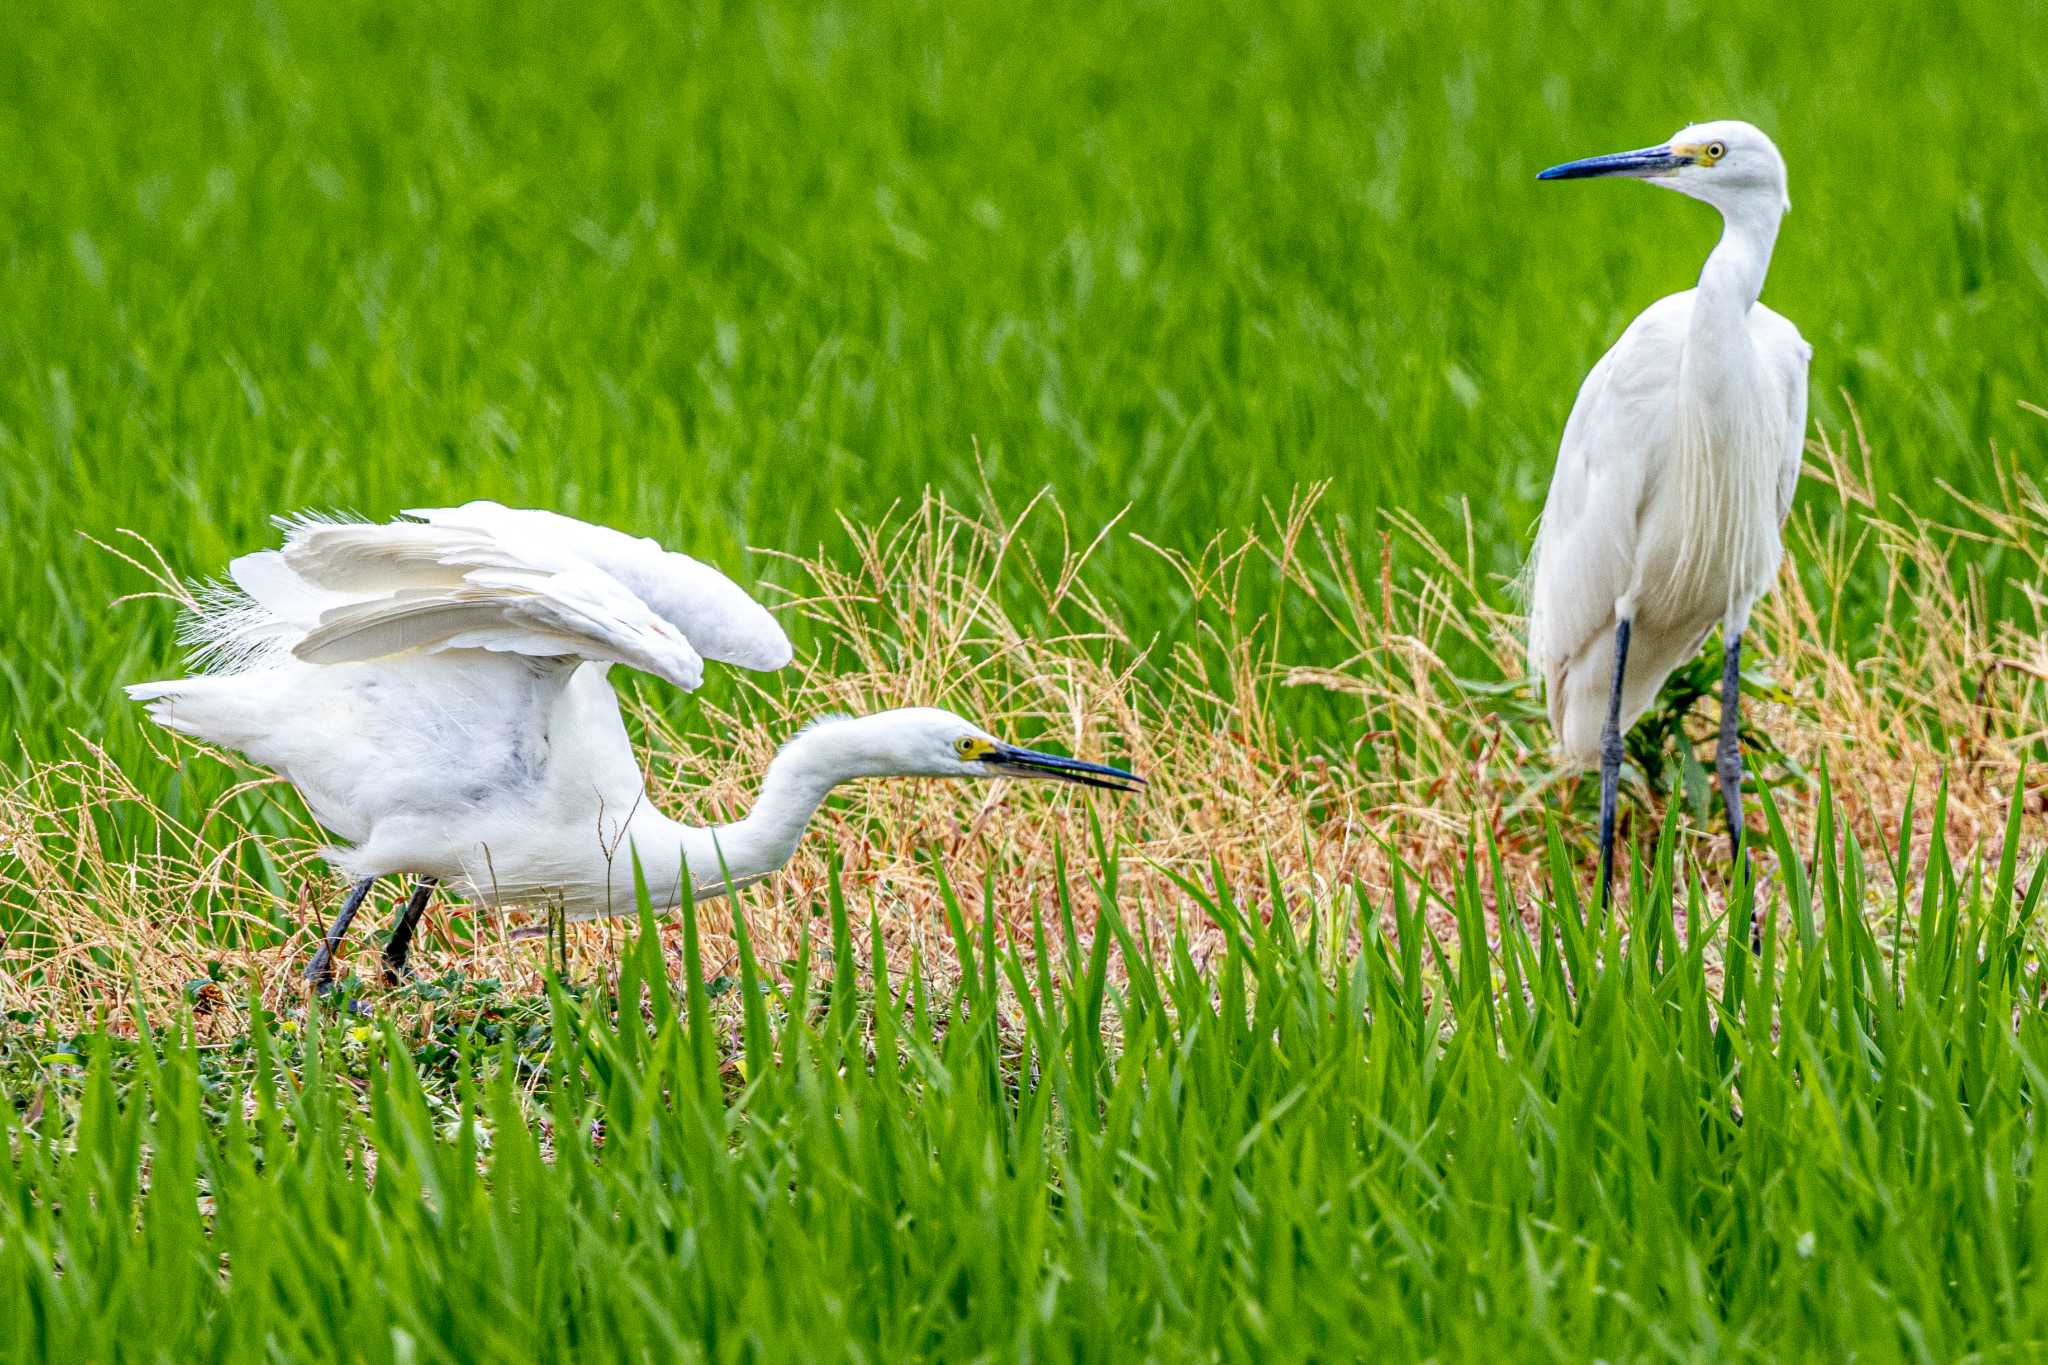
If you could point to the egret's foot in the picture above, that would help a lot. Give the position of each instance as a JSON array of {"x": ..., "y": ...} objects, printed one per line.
[
  {"x": 328, "y": 991},
  {"x": 397, "y": 973},
  {"x": 319, "y": 973}
]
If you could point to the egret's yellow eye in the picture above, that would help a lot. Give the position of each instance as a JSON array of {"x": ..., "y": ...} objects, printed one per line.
[
  {"x": 1715, "y": 151},
  {"x": 965, "y": 747}
]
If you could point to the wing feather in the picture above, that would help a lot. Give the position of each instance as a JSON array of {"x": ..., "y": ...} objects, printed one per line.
[
  {"x": 485, "y": 576},
  {"x": 581, "y": 613},
  {"x": 1789, "y": 355},
  {"x": 365, "y": 557},
  {"x": 714, "y": 613},
  {"x": 1585, "y": 555},
  {"x": 272, "y": 584}
]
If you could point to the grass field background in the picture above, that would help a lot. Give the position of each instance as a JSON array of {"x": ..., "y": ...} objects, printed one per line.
[
  {"x": 1314, "y": 1051},
  {"x": 724, "y": 273}
]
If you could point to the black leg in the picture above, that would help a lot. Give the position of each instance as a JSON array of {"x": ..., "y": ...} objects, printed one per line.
[
  {"x": 1610, "y": 764},
  {"x": 400, "y": 942},
  {"x": 1728, "y": 767},
  {"x": 320, "y": 971}
]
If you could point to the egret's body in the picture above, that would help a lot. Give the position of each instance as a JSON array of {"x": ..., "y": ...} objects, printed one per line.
[
  {"x": 1675, "y": 474},
  {"x": 1665, "y": 508},
  {"x": 437, "y": 691}
]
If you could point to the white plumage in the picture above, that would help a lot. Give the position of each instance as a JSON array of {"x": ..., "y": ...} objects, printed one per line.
[
  {"x": 436, "y": 690},
  {"x": 1664, "y": 497},
  {"x": 1676, "y": 470}
]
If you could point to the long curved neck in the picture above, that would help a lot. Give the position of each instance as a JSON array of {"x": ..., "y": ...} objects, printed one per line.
[
  {"x": 1726, "y": 466},
  {"x": 802, "y": 775},
  {"x": 1733, "y": 278},
  {"x": 1719, "y": 360}
]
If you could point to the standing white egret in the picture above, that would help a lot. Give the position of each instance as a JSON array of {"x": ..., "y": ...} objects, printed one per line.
[
  {"x": 435, "y": 689},
  {"x": 1675, "y": 474}
]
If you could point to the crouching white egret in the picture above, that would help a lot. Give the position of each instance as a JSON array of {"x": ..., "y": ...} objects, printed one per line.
[
  {"x": 436, "y": 690},
  {"x": 1675, "y": 474}
]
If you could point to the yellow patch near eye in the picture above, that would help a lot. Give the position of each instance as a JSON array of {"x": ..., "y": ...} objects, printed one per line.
[
  {"x": 974, "y": 748},
  {"x": 1702, "y": 153}
]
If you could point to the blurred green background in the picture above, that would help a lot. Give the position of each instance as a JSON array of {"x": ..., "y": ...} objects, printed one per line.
[{"x": 723, "y": 272}]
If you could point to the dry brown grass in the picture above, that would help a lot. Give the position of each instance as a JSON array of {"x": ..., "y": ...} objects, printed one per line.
[{"x": 942, "y": 604}]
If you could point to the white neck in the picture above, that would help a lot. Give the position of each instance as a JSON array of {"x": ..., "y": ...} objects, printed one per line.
[
  {"x": 1727, "y": 468},
  {"x": 802, "y": 775},
  {"x": 1719, "y": 360},
  {"x": 1733, "y": 278}
]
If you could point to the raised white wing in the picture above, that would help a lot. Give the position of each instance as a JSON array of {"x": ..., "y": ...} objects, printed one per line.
[
  {"x": 494, "y": 578},
  {"x": 710, "y": 609},
  {"x": 580, "y": 612}
]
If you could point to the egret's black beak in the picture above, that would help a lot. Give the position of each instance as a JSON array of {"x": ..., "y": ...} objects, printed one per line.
[
  {"x": 1650, "y": 161},
  {"x": 1014, "y": 762}
]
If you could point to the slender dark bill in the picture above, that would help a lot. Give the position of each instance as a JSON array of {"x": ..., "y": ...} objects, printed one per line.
[
  {"x": 1032, "y": 763},
  {"x": 1648, "y": 161}
]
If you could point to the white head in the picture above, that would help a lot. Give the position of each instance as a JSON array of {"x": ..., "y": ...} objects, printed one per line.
[
  {"x": 1728, "y": 163},
  {"x": 924, "y": 741}
]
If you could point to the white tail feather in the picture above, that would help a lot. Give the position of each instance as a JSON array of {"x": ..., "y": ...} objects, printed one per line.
[{"x": 227, "y": 631}]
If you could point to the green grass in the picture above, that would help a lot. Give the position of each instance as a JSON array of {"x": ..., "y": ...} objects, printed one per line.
[
  {"x": 1336, "y": 1142},
  {"x": 726, "y": 273},
  {"x": 723, "y": 272}
]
